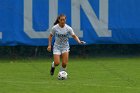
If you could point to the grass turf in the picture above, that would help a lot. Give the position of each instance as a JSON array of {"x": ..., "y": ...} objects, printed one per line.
[{"x": 90, "y": 75}]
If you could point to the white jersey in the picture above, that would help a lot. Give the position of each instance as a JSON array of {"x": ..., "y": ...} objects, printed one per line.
[{"x": 61, "y": 35}]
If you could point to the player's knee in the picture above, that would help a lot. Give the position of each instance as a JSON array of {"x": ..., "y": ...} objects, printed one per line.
[
  {"x": 64, "y": 64},
  {"x": 56, "y": 63}
]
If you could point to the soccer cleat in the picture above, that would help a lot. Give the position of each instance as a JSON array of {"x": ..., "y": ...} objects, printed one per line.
[
  {"x": 62, "y": 69},
  {"x": 52, "y": 69}
]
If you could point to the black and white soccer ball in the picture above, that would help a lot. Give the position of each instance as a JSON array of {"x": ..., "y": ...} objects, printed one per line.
[{"x": 62, "y": 75}]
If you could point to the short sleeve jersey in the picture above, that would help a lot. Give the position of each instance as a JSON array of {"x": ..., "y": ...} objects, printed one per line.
[{"x": 61, "y": 35}]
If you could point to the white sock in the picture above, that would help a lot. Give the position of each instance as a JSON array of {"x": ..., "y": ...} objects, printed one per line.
[
  {"x": 53, "y": 64},
  {"x": 62, "y": 69}
]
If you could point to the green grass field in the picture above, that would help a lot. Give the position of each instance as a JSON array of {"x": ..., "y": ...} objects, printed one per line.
[{"x": 90, "y": 75}]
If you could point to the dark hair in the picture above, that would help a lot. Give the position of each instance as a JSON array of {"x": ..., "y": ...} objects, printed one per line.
[{"x": 57, "y": 20}]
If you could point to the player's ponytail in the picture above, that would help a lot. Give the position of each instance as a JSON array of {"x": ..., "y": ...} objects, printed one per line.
[{"x": 57, "y": 20}]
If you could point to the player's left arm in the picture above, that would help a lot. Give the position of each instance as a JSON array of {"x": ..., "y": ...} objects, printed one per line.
[
  {"x": 75, "y": 36},
  {"x": 77, "y": 39}
]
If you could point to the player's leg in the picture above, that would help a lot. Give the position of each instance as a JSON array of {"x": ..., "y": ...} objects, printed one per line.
[
  {"x": 56, "y": 54},
  {"x": 56, "y": 60},
  {"x": 55, "y": 63},
  {"x": 65, "y": 57}
]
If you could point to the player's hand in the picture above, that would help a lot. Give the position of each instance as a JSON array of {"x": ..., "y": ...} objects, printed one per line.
[
  {"x": 82, "y": 42},
  {"x": 49, "y": 48}
]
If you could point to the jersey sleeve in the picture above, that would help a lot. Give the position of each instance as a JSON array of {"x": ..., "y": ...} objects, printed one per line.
[
  {"x": 71, "y": 31},
  {"x": 52, "y": 31}
]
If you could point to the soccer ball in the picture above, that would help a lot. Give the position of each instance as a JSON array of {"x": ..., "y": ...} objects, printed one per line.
[{"x": 62, "y": 75}]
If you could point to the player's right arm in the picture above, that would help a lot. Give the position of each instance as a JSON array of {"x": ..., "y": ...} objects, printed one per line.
[
  {"x": 50, "y": 42},
  {"x": 50, "y": 39}
]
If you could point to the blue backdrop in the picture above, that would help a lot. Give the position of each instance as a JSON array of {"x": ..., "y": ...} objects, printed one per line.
[{"x": 27, "y": 22}]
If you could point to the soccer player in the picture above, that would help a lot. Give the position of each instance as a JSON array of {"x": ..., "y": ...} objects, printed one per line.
[{"x": 61, "y": 32}]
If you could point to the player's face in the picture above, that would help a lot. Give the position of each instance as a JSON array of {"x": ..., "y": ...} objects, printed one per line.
[{"x": 62, "y": 20}]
